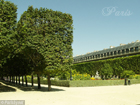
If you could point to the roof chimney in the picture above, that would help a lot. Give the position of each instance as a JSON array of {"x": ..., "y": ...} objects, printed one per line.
[
  {"x": 122, "y": 44},
  {"x": 111, "y": 46},
  {"x": 137, "y": 40}
]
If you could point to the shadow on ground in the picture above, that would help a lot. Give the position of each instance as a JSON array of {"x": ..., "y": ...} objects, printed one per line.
[
  {"x": 29, "y": 88},
  {"x": 6, "y": 88}
]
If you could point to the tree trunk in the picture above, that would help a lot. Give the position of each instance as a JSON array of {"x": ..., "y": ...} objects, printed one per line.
[
  {"x": 13, "y": 79},
  {"x": 26, "y": 79},
  {"x": 102, "y": 77},
  {"x": 38, "y": 78},
  {"x": 16, "y": 79},
  {"x": 32, "y": 81},
  {"x": 19, "y": 79},
  {"x": 49, "y": 82},
  {"x": 7, "y": 78},
  {"x": 22, "y": 80},
  {"x": 10, "y": 78},
  {"x": 2, "y": 78},
  {"x": 119, "y": 76}
]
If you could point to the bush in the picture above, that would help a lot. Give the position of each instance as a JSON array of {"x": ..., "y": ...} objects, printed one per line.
[
  {"x": 65, "y": 75},
  {"x": 127, "y": 74},
  {"x": 81, "y": 76},
  {"x": 135, "y": 76}
]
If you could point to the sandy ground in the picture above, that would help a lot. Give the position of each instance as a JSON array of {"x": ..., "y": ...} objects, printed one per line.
[{"x": 103, "y": 95}]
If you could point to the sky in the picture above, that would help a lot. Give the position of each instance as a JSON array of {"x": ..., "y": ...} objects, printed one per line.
[{"x": 98, "y": 24}]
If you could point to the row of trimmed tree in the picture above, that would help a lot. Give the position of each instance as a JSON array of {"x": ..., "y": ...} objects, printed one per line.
[{"x": 39, "y": 43}]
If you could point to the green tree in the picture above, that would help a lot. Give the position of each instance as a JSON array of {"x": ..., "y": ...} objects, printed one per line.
[
  {"x": 107, "y": 70},
  {"x": 8, "y": 18},
  {"x": 127, "y": 73},
  {"x": 50, "y": 34}
]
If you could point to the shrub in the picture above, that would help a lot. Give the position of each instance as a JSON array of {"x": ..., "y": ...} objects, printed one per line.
[
  {"x": 135, "y": 76},
  {"x": 65, "y": 75},
  {"x": 81, "y": 76},
  {"x": 127, "y": 74}
]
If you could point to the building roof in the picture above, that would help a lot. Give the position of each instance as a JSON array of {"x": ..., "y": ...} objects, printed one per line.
[{"x": 121, "y": 47}]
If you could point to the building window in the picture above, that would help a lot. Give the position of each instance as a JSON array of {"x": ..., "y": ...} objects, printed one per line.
[
  {"x": 119, "y": 51},
  {"x": 127, "y": 50},
  {"x": 101, "y": 55},
  {"x": 136, "y": 48},
  {"x": 115, "y": 52},
  {"x": 111, "y": 53},
  {"x": 131, "y": 49},
  {"x": 123, "y": 51},
  {"x": 107, "y": 53},
  {"x": 90, "y": 57},
  {"x": 98, "y": 55}
]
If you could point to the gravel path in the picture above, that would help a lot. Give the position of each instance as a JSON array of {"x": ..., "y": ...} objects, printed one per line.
[{"x": 102, "y": 95}]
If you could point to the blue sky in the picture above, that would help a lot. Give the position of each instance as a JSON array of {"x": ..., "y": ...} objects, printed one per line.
[{"x": 98, "y": 24}]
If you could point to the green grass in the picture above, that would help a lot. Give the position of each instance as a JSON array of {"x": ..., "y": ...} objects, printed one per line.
[
  {"x": 135, "y": 81},
  {"x": 86, "y": 83}
]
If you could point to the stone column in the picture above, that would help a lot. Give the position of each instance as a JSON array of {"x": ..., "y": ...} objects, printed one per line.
[
  {"x": 138, "y": 48},
  {"x": 133, "y": 49},
  {"x": 120, "y": 52}
]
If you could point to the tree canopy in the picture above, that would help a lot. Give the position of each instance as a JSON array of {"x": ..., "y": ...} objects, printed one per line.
[{"x": 43, "y": 38}]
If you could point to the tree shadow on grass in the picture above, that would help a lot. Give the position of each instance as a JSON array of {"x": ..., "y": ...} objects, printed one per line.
[
  {"x": 29, "y": 88},
  {"x": 6, "y": 88}
]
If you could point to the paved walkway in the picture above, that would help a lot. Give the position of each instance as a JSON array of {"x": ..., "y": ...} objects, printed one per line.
[{"x": 102, "y": 95}]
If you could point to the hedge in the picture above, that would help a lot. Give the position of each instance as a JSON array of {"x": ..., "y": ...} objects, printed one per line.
[
  {"x": 87, "y": 83},
  {"x": 127, "y": 63}
]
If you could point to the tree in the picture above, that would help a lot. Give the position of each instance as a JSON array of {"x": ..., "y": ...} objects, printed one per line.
[
  {"x": 107, "y": 70},
  {"x": 50, "y": 34},
  {"x": 8, "y": 17}
]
